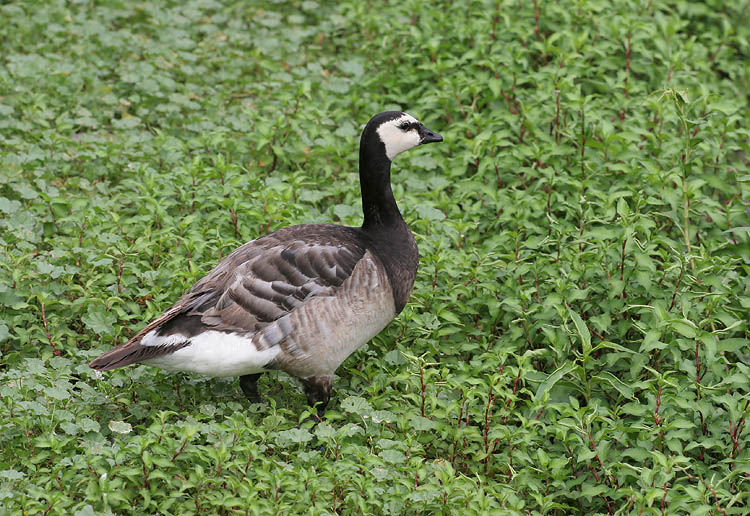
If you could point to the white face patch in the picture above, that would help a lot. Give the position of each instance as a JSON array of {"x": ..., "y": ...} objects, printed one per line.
[{"x": 395, "y": 139}]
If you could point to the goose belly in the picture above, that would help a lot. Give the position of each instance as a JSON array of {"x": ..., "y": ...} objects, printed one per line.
[{"x": 216, "y": 353}]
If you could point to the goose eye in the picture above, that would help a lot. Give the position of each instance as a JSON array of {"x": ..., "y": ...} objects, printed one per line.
[{"x": 404, "y": 126}]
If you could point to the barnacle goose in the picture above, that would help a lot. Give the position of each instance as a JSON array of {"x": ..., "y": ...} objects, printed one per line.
[{"x": 300, "y": 299}]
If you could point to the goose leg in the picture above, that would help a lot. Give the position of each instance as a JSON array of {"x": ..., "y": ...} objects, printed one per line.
[
  {"x": 249, "y": 385},
  {"x": 318, "y": 390}
]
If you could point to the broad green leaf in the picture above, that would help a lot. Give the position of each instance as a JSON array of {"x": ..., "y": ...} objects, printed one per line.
[
  {"x": 449, "y": 316},
  {"x": 739, "y": 229},
  {"x": 583, "y": 332},
  {"x": 684, "y": 328},
  {"x": 9, "y": 205},
  {"x": 622, "y": 208},
  {"x": 120, "y": 427},
  {"x": 611, "y": 345},
  {"x": 87, "y": 510},
  {"x": 392, "y": 456},
  {"x": 430, "y": 213},
  {"x": 293, "y": 436},
  {"x": 554, "y": 377},
  {"x": 99, "y": 320},
  {"x": 324, "y": 431},
  {"x": 711, "y": 343},
  {"x": 356, "y": 405},
  {"x": 624, "y": 389},
  {"x": 421, "y": 424},
  {"x": 12, "y": 474}
]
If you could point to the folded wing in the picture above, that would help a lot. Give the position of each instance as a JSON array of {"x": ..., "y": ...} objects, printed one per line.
[{"x": 250, "y": 295}]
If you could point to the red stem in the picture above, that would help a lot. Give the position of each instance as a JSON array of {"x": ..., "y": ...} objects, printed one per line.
[
  {"x": 423, "y": 386},
  {"x": 697, "y": 363},
  {"x": 510, "y": 104},
  {"x": 676, "y": 287},
  {"x": 627, "y": 64},
  {"x": 55, "y": 351},
  {"x": 119, "y": 275},
  {"x": 184, "y": 443},
  {"x": 233, "y": 214},
  {"x": 658, "y": 404},
  {"x": 487, "y": 421},
  {"x": 557, "y": 118},
  {"x": 583, "y": 139}
]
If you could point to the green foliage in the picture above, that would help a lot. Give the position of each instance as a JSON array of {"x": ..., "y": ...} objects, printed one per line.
[{"x": 577, "y": 341}]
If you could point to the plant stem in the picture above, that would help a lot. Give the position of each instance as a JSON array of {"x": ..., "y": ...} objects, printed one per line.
[{"x": 684, "y": 165}]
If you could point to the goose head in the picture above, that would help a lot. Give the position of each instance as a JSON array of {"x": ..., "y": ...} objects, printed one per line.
[
  {"x": 394, "y": 132},
  {"x": 385, "y": 136}
]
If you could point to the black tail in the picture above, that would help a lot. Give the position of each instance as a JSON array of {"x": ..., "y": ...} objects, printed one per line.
[{"x": 131, "y": 353}]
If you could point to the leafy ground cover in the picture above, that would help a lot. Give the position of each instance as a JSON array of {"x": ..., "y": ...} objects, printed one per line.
[{"x": 577, "y": 342}]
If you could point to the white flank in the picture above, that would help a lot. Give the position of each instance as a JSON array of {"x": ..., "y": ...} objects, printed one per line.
[
  {"x": 215, "y": 353},
  {"x": 395, "y": 139}
]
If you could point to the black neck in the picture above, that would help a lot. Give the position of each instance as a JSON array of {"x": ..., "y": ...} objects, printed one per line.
[
  {"x": 379, "y": 206},
  {"x": 388, "y": 235}
]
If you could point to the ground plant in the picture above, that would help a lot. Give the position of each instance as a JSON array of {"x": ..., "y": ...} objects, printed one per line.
[{"x": 577, "y": 341}]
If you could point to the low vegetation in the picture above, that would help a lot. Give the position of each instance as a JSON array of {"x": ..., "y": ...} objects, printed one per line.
[{"x": 577, "y": 341}]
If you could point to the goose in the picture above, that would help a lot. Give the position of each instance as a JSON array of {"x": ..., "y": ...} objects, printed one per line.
[{"x": 300, "y": 299}]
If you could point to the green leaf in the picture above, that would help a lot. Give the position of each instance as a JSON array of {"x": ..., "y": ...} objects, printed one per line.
[
  {"x": 684, "y": 327},
  {"x": 430, "y": 213},
  {"x": 611, "y": 345},
  {"x": 87, "y": 510},
  {"x": 725, "y": 106},
  {"x": 120, "y": 427},
  {"x": 9, "y": 206},
  {"x": 554, "y": 377},
  {"x": 711, "y": 343},
  {"x": 392, "y": 456},
  {"x": 622, "y": 208},
  {"x": 395, "y": 358},
  {"x": 88, "y": 425},
  {"x": 739, "y": 229},
  {"x": 356, "y": 405},
  {"x": 345, "y": 212},
  {"x": 12, "y": 474},
  {"x": 9, "y": 297},
  {"x": 421, "y": 424},
  {"x": 99, "y": 320},
  {"x": 70, "y": 428},
  {"x": 57, "y": 393},
  {"x": 583, "y": 332},
  {"x": 624, "y": 389},
  {"x": 449, "y": 316},
  {"x": 352, "y": 67},
  {"x": 324, "y": 431},
  {"x": 382, "y": 416},
  {"x": 293, "y": 436}
]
